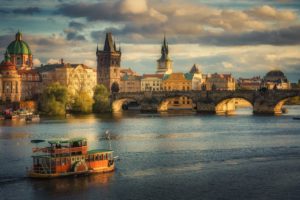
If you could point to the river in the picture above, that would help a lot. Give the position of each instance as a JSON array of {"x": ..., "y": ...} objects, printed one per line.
[{"x": 175, "y": 155}]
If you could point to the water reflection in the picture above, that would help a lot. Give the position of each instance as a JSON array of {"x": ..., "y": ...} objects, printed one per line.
[{"x": 76, "y": 184}]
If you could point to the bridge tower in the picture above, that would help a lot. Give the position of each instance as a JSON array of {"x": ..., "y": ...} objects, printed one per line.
[{"x": 108, "y": 63}]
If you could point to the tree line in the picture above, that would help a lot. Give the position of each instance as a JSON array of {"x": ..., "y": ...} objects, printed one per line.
[{"x": 57, "y": 100}]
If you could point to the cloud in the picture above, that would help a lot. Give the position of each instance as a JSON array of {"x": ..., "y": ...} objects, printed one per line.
[
  {"x": 227, "y": 65},
  {"x": 133, "y": 6},
  {"x": 53, "y": 61},
  {"x": 267, "y": 12},
  {"x": 27, "y": 11},
  {"x": 90, "y": 63},
  {"x": 76, "y": 25},
  {"x": 36, "y": 62},
  {"x": 73, "y": 35},
  {"x": 182, "y": 21},
  {"x": 285, "y": 36}
]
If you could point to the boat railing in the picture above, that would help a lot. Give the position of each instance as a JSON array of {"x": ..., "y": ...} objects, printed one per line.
[{"x": 60, "y": 151}]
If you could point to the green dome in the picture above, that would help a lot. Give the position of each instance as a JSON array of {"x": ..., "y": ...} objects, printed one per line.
[{"x": 18, "y": 46}]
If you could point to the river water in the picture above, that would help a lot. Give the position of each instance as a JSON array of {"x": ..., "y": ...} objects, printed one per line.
[{"x": 175, "y": 155}]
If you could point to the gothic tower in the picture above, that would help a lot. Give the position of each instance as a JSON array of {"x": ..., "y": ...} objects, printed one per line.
[
  {"x": 108, "y": 63},
  {"x": 164, "y": 64}
]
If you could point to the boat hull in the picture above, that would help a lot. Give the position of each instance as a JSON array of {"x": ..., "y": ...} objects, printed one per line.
[{"x": 32, "y": 174}]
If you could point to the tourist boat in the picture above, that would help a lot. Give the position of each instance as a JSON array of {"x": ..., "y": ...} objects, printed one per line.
[{"x": 67, "y": 157}]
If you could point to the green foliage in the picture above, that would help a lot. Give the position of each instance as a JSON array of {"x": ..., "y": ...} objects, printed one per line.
[
  {"x": 101, "y": 100},
  {"x": 82, "y": 103},
  {"x": 54, "y": 100}
]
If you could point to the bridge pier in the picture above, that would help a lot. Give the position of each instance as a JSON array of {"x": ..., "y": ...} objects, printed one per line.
[
  {"x": 203, "y": 107},
  {"x": 266, "y": 109},
  {"x": 149, "y": 107}
]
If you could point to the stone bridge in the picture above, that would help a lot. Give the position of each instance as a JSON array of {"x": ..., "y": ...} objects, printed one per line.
[{"x": 263, "y": 102}]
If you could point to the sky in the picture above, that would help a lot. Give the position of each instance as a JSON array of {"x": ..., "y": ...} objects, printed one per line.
[{"x": 243, "y": 37}]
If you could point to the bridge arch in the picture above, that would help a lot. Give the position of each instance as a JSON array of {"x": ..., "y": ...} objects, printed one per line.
[
  {"x": 278, "y": 108},
  {"x": 229, "y": 105},
  {"x": 176, "y": 102},
  {"x": 117, "y": 104}
]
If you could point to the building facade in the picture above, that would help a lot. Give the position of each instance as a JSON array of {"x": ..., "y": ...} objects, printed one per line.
[
  {"x": 108, "y": 63},
  {"x": 198, "y": 79},
  {"x": 130, "y": 83},
  {"x": 253, "y": 83},
  {"x": 178, "y": 82},
  {"x": 220, "y": 82},
  {"x": 164, "y": 64},
  {"x": 10, "y": 82},
  {"x": 76, "y": 77},
  {"x": 151, "y": 82},
  {"x": 276, "y": 79}
]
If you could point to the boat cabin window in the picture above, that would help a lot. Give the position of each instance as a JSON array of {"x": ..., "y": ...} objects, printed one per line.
[
  {"x": 78, "y": 143},
  {"x": 101, "y": 157}
]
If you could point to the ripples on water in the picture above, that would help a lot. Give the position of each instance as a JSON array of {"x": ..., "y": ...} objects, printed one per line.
[{"x": 154, "y": 149}]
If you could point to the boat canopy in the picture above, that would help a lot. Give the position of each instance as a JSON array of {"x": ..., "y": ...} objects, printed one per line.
[
  {"x": 59, "y": 141},
  {"x": 64, "y": 141},
  {"x": 37, "y": 141},
  {"x": 99, "y": 151}
]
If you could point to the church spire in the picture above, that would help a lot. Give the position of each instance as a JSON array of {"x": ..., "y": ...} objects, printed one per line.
[
  {"x": 109, "y": 44},
  {"x": 164, "y": 49}
]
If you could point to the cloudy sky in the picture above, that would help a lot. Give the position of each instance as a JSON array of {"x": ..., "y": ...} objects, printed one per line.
[{"x": 242, "y": 37}]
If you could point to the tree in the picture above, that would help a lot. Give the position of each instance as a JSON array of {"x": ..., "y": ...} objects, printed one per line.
[
  {"x": 115, "y": 87},
  {"x": 82, "y": 102},
  {"x": 101, "y": 99},
  {"x": 54, "y": 100}
]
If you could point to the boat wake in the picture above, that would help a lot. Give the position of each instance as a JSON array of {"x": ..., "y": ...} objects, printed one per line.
[{"x": 10, "y": 179}]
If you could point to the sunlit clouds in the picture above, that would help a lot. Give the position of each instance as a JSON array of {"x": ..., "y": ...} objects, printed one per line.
[{"x": 245, "y": 38}]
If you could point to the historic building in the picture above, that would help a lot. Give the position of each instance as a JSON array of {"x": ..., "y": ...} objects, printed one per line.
[
  {"x": 164, "y": 64},
  {"x": 276, "y": 79},
  {"x": 178, "y": 81},
  {"x": 31, "y": 84},
  {"x": 108, "y": 63},
  {"x": 76, "y": 77},
  {"x": 20, "y": 53},
  {"x": 10, "y": 82},
  {"x": 253, "y": 83},
  {"x": 151, "y": 82},
  {"x": 198, "y": 79},
  {"x": 130, "y": 83},
  {"x": 220, "y": 82}
]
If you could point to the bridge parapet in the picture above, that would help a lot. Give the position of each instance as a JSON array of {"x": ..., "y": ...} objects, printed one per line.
[{"x": 267, "y": 102}]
